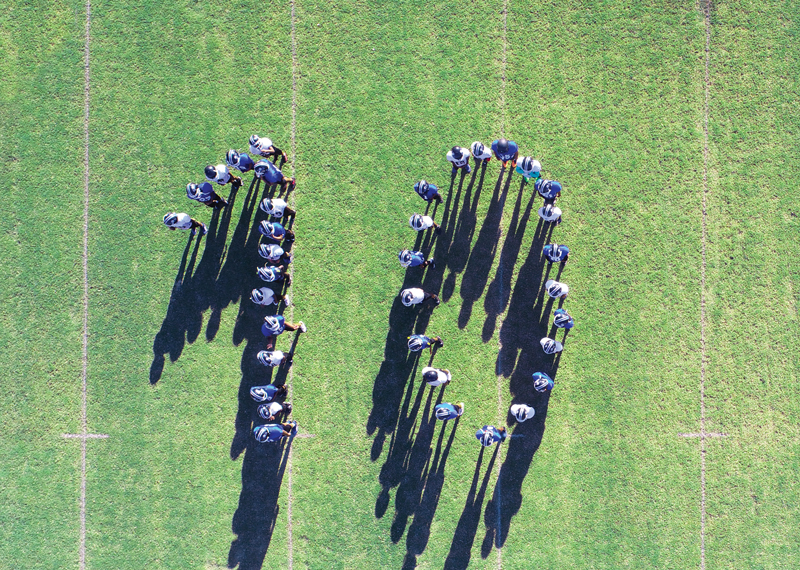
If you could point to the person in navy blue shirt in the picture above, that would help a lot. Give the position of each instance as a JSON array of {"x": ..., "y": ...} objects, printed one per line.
[
  {"x": 488, "y": 435},
  {"x": 506, "y": 150},
  {"x": 276, "y": 324},
  {"x": 548, "y": 189},
  {"x": 562, "y": 319},
  {"x": 271, "y": 174},
  {"x": 267, "y": 393},
  {"x": 240, "y": 161},
  {"x": 275, "y": 231},
  {"x": 204, "y": 193},
  {"x": 418, "y": 342},
  {"x": 272, "y": 433},
  {"x": 555, "y": 253},
  {"x": 542, "y": 382},
  {"x": 447, "y": 411},
  {"x": 410, "y": 258},
  {"x": 427, "y": 191}
]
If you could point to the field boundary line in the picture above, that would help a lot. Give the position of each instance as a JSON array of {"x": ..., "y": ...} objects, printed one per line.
[
  {"x": 289, "y": 527},
  {"x": 703, "y": 355}
]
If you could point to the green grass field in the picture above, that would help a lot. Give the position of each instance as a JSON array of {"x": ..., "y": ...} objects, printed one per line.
[{"x": 610, "y": 97}]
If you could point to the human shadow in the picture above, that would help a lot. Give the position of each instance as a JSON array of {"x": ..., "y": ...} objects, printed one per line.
[
  {"x": 432, "y": 480},
  {"x": 483, "y": 253},
  {"x": 461, "y": 548},
  {"x": 253, "y": 522}
]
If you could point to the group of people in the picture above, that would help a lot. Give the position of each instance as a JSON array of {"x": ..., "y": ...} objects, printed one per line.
[
  {"x": 274, "y": 247},
  {"x": 506, "y": 152}
]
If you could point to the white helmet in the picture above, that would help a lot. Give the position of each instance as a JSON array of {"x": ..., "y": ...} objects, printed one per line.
[
  {"x": 407, "y": 297},
  {"x": 477, "y": 147},
  {"x": 263, "y": 357},
  {"x": 548, "y": 210},
  {"x": 170, "y": 219},
  {"x": 257, "y": 296},
  {"x": 521, "y": 411},
  {"x": 232, "y": 158},
  {"x": 555, "y": 289},
  {"x": 271, "y": 251},
  {"x": 254, "y": 140},
  {"x": 486, "y": 439},
  {"x": 415, "y": 343},
  {"x": 416, "y": 222},
  {"x": 561, "y": 319},
  {"x": 526, "y": 163},
  {"x": 541, "y": 382},
  {"x": 267, "y": 274},
  {"x": 442, "y": 413}
]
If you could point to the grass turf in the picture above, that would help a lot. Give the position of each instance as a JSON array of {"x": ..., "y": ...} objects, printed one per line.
[{"x": 607, "y": 93}]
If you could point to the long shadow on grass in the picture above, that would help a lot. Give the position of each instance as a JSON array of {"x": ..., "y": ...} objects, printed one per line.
[
  {"x": 464, "y": 537},
  {"x": 254, "y": 521}
]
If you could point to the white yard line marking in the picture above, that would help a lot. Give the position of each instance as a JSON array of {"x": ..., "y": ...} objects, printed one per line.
[
  {"x": 503, "y": 75},
  {"x": 291, "y": 272},
  {"x": 85, "y": 435},
  {"x": 703, "y": 435}
]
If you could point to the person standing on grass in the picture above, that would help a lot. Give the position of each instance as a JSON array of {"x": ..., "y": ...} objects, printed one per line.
[
  {"x": 415, "y": 296},
  {"x": 418, "y": 342},
  {"x": 263, "y": 147},
  {"x": 488, "y": 435},
  {"x": 555, "y": 289},
  {"x": 447, "y": 411},
  {"x": 550, "y": 213},
  {"x": 420, "y": 223},
  {"x": 271, "y": 174},
  {"x": 410, "y": 258},
  {"x": 266, "y": 296},
  {"x": 562, "y": 320},
  {"x": 555, "y": 253},
  {"x": 273, "y": 433},
  {"x": 459, "y": 157},
  {"x": 481, "y": 153},
  {"x": 204, "y": 193},
  {"x": 530, "y": 169},
  {"x": 551, "y": 346},
  {"x": 276, "y": 207},
  {"x": 181, "y": 221},
  {"x": 274, "y": 254},
  {"x": 268, "y": 393},
  {"x": 221, "y": 175},
  {"x": 273, "y": 273},
  {"x": 270, "y": 412},
  {"x": 506, "y": 151},
  {"x": 427, "y": 191},
  {"x": 240, "y": 161},
  {"x": 522, "y": 412},
  {"x": 548, "y": 189},
  {"x": 275, "y": 231},
  {"x": 542, "y": 382},
  {"x": 436, "y": 376},
  {"x": 273, "y": 358},
  {"x": 276, "y": 324}
]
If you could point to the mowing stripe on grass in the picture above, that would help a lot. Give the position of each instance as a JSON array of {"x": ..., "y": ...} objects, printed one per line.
[{"x": 291, "y": 273}]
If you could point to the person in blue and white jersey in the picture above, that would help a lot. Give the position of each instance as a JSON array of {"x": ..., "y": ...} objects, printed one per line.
[
  {"x": 555, "y": 253},
  {"x": 421, "y": 222},
  {"x": 562, "y": 319},
  {"x": 273, "y": 433},
  {"x": 240, "y": 161},
  {"x": 273, "y": 358},
  {"x": 263, "y": 147},
  {"x": 556, "y": 289},
  {"x": 272, "y": 411},
  {"x": 410, "y": 258},
  {"x": 276, "y": 324},
  {"x": 220, "y": 174},
  {"x": 427, "y": 191},
  {"x": 542, "y": 382},
  {"x": 459, "y": 157},
  {"x": 506, "y": 151},
  {"x": 418, "y": 342},
  {"x": 268, "y": 393},
  {"x": 480, "y": 152},
  {"x": 522, "y": 412},
  {"x": 447, "y": 411},
  {"x": 436, "y": 376},
  {"x": 488, "y": 435},
  {"x": 275, "y": 231},
  {"x": 276, "y": 207},
  {"x": 204, "y": 193},
  {"x": 529, "y": 168},
  {"x": 415, "y": 296},
  {"x": 550, "y": 346},
  {"x": 548, "y": 189},
  {"x": 266, "y": 296},
  {"x": 550, "y": 213},
  {"x": 181, "y": 221},
  {"x": 274, "y": 254},
  {"x": 271, "y": 174},
  {"x": 273, "y": 273}
]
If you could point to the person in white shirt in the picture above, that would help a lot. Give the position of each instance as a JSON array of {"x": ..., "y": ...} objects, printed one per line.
[
  {"x": 262, "y": 146},
  {"x": 551, "y": 346},
  {"x": 273, "y": 410},
  {"x": 221, "y": 175},
  {"x": 181, "y": 221},
  {"x": 529, "y": 168},
  {"x": 550, "y": 213},
  {"x": 266, "y": 296},
  {"x": 555, "y": 289},
  {"x": 273, "y": 358},
  {"x": 480, "y": 152},
  {"x": 460, "y": 158},
  {"x": 522, "y": 412},
  {"x": 415, "y": 296},
  {"x": 421, "y": 222},
  {"x": 435, "y": 376},
  {"x": 276, "y": 207}
]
